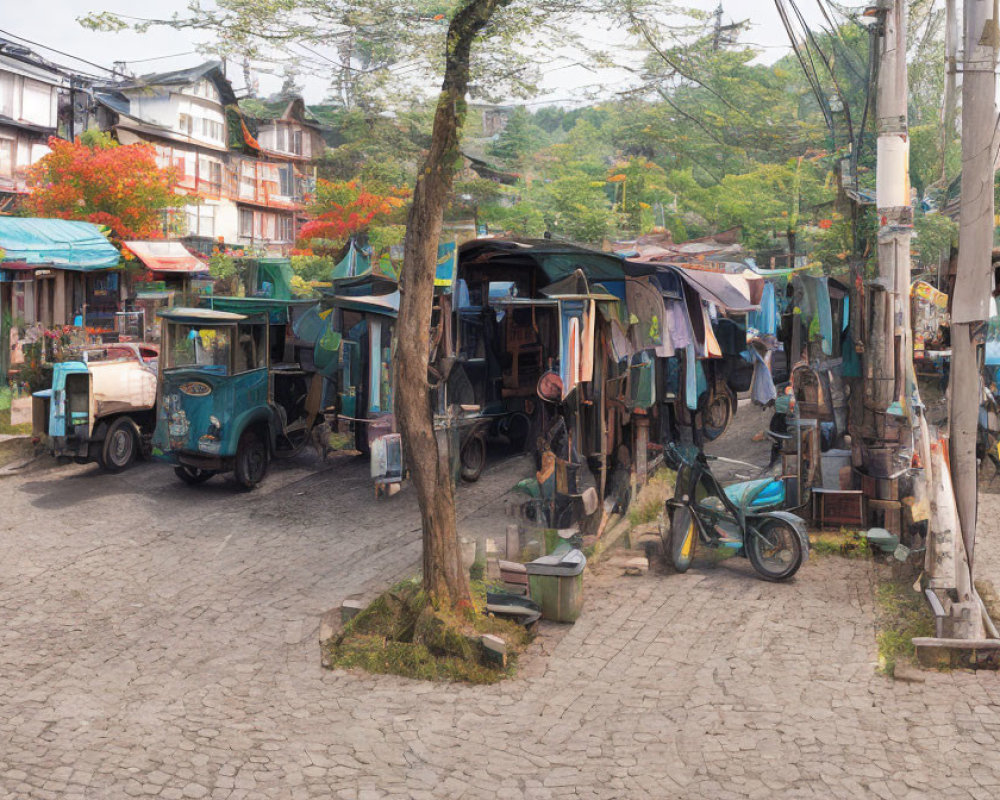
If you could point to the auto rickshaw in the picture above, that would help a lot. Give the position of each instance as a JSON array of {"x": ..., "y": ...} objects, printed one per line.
[{"x": 227, "y": 402}]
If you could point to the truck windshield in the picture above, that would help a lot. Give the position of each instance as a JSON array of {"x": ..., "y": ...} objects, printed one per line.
[{"x": 199, "y": 346}]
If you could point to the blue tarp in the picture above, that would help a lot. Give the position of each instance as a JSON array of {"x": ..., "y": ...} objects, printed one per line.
[{"x": 60, "y": 243}]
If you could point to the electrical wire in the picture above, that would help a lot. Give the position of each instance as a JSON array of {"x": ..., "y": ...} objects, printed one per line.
[{"x": 60, "y": 52}]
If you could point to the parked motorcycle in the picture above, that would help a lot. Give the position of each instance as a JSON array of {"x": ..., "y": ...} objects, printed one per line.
[{"x": 747, "y": 517}]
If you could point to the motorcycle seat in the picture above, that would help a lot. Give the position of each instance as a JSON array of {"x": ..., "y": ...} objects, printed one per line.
[{"x": 761, "y": 493}]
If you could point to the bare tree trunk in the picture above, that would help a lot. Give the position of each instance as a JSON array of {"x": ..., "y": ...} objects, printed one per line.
[
  {"x": 443, "y": 576},
  {"x": 970, "y": 303}
]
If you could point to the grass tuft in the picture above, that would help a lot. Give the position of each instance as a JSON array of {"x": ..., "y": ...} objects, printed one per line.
[
  {"x": 649, "y": 503},
  {"x": 901, "y": 615}
]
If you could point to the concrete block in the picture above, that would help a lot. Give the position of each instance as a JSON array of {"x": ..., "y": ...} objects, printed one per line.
[
  {"x": 494, "y": 649},
  {"x": 350, "y": 608}
]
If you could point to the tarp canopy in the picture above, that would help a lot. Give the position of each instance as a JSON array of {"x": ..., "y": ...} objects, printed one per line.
[
  {"x": 60, "y": 243},
  {"x": 716, "y": 287},
  {"x": 555, "y": 260},
  {"x": 277, "y": 309},
  {"x": 167, "y": 255},
  {"x": 577, "y": 286},
  {"x": 387, "y": 304}
]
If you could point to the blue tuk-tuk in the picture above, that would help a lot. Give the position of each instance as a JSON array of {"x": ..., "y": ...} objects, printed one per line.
[{"x": 228, "y": 403}]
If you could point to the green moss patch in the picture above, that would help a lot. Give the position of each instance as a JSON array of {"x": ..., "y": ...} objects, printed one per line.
[
  {"x": 846, "y": 543},
  {"x": 402, "y": 633},
  {"x": 900, "y": 615}
]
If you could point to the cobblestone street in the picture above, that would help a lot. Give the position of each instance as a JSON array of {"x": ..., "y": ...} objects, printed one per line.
[{"x": 157, "y": 648}]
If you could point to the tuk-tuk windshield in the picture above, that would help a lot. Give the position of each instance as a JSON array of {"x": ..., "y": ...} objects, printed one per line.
[{"x": 202, "y": 346}]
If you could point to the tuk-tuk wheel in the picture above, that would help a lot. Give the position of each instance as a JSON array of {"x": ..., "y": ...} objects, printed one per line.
[
  {"x": 252, "y": 460},
  {"x": 473, "y": 457},
  {"x": 193, "y": 476}
]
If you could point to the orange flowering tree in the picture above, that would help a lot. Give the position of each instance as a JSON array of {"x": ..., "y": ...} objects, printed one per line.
[
  {"x": 97, "y": 180},
  {"x": 341, "y": 209}
]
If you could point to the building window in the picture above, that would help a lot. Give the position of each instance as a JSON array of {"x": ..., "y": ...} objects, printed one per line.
[
  {"x": 286, "y": 229},
  {"x": 201, "y": 221},
  {"x": 38, "y": 103},
  {"x": 7, "y": 157},
  {"x": 7, "y": 83},
  {"x": 287, "y": 181},
  {"x": 186, "y": 123},
  {"x": 209, "y": 175},
  {"x": 280, "y": 137},
  {"x": 211, "y": 129},
  {"x": 246, "y": 223},
  {"x": 248, "y": 179},
  {"x": 297, "y": 143}
]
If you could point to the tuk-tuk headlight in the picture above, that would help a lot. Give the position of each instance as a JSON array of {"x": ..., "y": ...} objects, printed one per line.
[{"x": 214, "y": 427}]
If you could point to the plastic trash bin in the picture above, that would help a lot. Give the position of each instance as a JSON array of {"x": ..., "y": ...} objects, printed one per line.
[{"x": 555, "y": 582}]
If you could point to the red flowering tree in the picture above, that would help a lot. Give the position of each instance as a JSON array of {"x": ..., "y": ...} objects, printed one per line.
[
  {"x": 341, "y": 209},
  {"x": 97, "y": 180}
]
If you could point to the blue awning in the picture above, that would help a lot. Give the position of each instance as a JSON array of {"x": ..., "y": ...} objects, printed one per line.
[{"x": 59, "y": 243}]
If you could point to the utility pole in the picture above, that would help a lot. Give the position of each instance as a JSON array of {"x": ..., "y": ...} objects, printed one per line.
[
  {"x": 717, "y": 34},
  {"x": 950, "y": 82},
  {"x": 891, "y": 292},
  {"x": 973, "y": 282}
]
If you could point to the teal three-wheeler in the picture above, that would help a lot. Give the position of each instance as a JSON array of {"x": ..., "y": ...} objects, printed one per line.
[{"x": 227, "y": 401}]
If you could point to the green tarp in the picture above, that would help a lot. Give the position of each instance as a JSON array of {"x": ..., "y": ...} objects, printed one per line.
[{"x": 60, "y": 243}]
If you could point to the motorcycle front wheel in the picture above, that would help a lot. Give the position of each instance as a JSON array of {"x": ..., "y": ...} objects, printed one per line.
[
  {"x": 683, "y": 533},
  {"x": 775, "y": 549}
]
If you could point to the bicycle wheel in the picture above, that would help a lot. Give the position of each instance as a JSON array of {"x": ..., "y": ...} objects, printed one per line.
[
  {"x": 683, "y": 533},
  {"x": 775, "y": 549}
]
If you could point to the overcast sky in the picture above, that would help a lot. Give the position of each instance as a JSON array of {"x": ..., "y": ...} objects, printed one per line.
[{"x": 53, "y": 24}]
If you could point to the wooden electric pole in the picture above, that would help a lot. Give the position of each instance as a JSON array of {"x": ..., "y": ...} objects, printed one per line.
[{"x": 973, "y": 283}]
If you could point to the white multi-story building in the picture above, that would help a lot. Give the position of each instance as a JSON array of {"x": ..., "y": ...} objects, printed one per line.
[
  {"x": 30, "y": 92},
  {"x": 248, "y": 194}
]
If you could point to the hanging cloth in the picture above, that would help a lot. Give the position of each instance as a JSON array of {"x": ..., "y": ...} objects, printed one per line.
[
  {"x": 762, "y": 389},
  {"x": 690, "y": 378},
  {"x": 680, "y": 331},
  {"x": 712, "y": 348},
  {"x": 587, "y": 343}
]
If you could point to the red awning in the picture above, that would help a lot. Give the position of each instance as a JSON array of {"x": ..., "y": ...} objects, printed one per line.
[
  {"x": 24, "y": 266},
  {"x": 165, "y": 255}
]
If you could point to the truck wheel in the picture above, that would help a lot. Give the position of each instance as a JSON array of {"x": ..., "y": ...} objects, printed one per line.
[
  {"x": 473, "y": 458},
  {"x": 251, "y": 460},
  {"x": 120, "y": 445},
  {"x": 193, "y": 476}
]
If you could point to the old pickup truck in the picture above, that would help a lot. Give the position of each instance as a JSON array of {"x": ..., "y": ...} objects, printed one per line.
[{"x": 102, "y": 405}]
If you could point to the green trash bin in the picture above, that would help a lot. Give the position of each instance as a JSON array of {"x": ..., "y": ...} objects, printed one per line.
[{"x": 555, "y": 582}]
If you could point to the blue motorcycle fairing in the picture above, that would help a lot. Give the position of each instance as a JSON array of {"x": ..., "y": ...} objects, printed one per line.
[{"x": 762, "y": 493}]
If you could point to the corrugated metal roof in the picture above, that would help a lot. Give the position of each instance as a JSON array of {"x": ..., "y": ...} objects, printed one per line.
[
  {"x": 167, "y": 255},
  {"x": 60, "y": 243}
]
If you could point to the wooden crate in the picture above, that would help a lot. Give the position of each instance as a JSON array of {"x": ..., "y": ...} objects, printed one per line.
[{"x": 831, "y": 508}]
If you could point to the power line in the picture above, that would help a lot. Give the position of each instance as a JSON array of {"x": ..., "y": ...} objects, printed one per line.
[
  {"x": 158, "y": 58},
  {"x": 60, "y": 52}
]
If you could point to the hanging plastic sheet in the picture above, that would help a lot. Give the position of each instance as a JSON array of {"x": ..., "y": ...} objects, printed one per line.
[
  {"x": 621, "y": 345},
  {"x": 645, "y": 302},
  {"x": 587, "y": 343},
  {"x": 641, "y": 386},
  {"x": 817, "y": 293},
  {"x": 762, "y": 389},
  {"x": 993, "y": 336},
  {"x": 572, "y": 336},
  {"x": 712, "y": 348},
  {"x": 690, "y": 377},
  {"x": 677, "y": 323},
  {"x": 765, "y": 319}
]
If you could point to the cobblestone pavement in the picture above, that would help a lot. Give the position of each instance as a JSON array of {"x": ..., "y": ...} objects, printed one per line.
[{"x": 159, "y": 641}]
